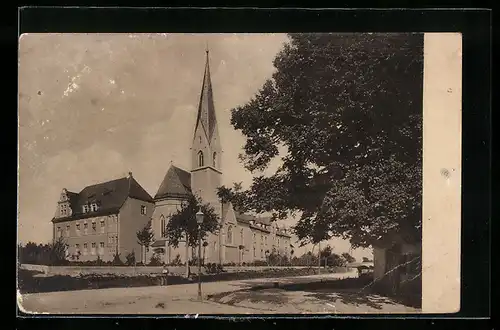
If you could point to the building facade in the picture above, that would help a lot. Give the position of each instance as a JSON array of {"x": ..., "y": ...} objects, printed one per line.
[
  {"x": 102, "y": 220},
  {"x": 241, "y": 238}
]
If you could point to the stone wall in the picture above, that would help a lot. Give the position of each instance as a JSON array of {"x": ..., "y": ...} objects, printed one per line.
[{"x": 142, "y": 270}]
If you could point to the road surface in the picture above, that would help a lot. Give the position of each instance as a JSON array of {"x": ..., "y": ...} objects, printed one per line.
[{"x": 175, "y": 299}]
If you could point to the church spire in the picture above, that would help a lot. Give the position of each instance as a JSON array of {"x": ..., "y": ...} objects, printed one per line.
[{"x": 206, "y": 109}]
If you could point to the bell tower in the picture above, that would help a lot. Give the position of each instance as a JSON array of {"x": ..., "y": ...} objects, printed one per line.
[{"x": 206, "y": 173}]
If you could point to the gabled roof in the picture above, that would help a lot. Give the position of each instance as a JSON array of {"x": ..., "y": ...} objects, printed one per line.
[
  {"x": 176, "y": 183},
  {"x": 206, "y": 108},
  {"x": 109, "y": 196},
  {"x": 73, "y": 199},
  {"x": 247, "y": 218}
]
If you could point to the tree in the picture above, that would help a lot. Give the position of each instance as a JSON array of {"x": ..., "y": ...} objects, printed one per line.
[
  {"x": 183, "y": 224},
  {"x": 130, "y": 259},
  {"x": 117, "y": 261},
  {"x": 145, "y": 238},
  {"x": 348, "y": 257},
  {"x": 345, "y": 113},
  {"x": 57, "y": 252},
  {"x": 235, "y": 195}
]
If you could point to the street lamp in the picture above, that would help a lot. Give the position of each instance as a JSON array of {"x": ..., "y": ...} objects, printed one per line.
[{"x": 199, "y": 220}]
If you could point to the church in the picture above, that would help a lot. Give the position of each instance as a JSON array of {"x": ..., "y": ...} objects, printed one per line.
[
  {"x": 103, "y": 219},
  {"x": 242, "y": 237}
]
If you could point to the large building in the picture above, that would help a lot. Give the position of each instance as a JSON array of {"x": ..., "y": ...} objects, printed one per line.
[
  {"x": 102, "y": 219},
  {"x": 241, "y": 238}
]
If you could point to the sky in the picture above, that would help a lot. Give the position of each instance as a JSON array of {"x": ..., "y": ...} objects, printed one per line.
[{"x": 93, "y": 107}]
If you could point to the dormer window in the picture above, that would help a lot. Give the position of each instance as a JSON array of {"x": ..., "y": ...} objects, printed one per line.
[
  {"x": 85, "y": 208},
  {"x": 200, "y": 158},
  {"x": 93, "y": 207},
  {"x": 64, "y": 209}
]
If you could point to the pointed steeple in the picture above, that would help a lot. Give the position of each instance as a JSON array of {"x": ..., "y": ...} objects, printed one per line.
[{"x": 206, "y": 110}]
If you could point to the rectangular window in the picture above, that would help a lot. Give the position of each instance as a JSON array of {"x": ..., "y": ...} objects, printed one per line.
[
  {"x": 94, "y": 226},
  {"x": 59, "y": 232},
  {"x": 93, "y": 207},
  {"x": 143, "y": 209},
  {"x": 93, "y": 248},
  {"x": 103, "y": 225},
  {"x": 67, "y": 230},
  {"x": 85, "y": 208},
  {"x": 101, "y": 248},
  {"x": 85, "y": 248}
]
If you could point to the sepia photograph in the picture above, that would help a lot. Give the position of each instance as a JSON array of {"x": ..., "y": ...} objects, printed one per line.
[{"x": 299, "y": 173}]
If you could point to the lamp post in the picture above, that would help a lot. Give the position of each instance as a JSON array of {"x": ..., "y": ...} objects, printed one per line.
[{"x": 199, "y": 220}]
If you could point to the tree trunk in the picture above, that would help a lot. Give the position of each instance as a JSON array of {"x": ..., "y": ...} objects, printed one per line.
[
  {"x": 187, "y": 255},
  {"x": 220, "y": 231}
]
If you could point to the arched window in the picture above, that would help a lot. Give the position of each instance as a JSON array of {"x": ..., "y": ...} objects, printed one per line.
[
  {"x": 229, "y": 238},
  {"x": 214, "y": 159},
  {"x": 163, "y": 225},
  {"x": 200, "y": 158}
]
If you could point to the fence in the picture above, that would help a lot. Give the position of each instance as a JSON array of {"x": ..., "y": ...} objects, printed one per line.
[{"x": 145, "y": 270}]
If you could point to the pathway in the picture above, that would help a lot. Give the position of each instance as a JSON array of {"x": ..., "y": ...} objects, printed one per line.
[{"x": 175, "y": 299}]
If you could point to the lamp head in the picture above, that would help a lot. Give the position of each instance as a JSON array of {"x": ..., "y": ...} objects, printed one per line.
[{"x": 199, "y": 217}]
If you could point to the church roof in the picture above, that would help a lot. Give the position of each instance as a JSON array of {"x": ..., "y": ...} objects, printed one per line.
[
  {"x": 110, "y": 196},
  {"x": 206, "y": 108},
  {"x": 176, "y": 183}
]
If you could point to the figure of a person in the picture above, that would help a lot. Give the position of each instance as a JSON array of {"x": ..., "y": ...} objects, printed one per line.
[{"x": 164, "y": 275}]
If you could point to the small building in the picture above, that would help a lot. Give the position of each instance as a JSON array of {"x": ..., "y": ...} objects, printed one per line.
[
  {"x": 397, "y": 268},
  {"x": 102, "y": 219}
]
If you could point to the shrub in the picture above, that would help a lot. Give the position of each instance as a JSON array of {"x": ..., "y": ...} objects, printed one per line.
[
  {"x": 177, "y": 261},
  {"x": 117, "y": 261},
  {"x": 194, "y": 261},
  {"x": 155, "y": 260},
  {"x": 130, "y": 259}
]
